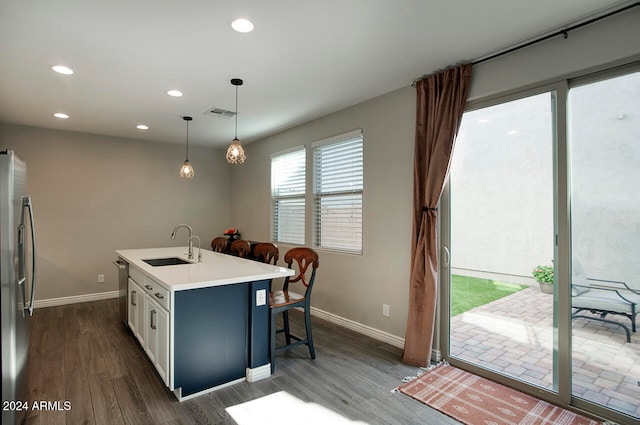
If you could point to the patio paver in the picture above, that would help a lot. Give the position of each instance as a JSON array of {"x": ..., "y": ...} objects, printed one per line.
[{"x": 514, "y": 336}]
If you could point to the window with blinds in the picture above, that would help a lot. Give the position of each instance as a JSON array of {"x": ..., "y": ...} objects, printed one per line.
[
  {"x": 337, "y": 193},
  {"x": 288, "y": 187}
]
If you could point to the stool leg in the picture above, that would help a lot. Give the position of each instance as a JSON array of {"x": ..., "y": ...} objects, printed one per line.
[
  {"x": 272, "y": 334},
  {"x": 307, "y": 323},
  {"x": 287, "y": 333}
]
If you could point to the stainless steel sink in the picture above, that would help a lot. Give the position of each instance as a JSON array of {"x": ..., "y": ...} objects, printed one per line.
[{"x": 171, "y": 261}]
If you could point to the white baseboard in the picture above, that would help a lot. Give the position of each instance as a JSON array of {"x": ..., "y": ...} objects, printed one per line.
[
  {"x": 258, "y": 373},
  {"x": 359, "y": 327},
  {"x": 178, "y": 391},
  {"x": 374, "y": 333},
  {"x": 52, "y": 302}
]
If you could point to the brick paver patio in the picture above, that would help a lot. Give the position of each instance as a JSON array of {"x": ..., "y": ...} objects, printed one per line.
[{"x": 513, "y": 335}]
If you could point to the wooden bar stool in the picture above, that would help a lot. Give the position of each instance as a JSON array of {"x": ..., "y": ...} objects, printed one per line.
[
  {"x": 240, "y": 248},
  {"x": 266, "y": 252},
  {"x": 219, "y": 244},
  {"x": 284, "y": 300}
]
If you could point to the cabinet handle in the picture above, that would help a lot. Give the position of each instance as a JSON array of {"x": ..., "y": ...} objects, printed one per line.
[
  {"x": 153, "y": 319},
  {"x": 149, "y": 287},
  {"x": 158, "y": 296},
  {"x": 134, "y": 297}
]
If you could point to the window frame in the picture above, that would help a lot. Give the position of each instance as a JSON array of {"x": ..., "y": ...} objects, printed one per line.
[
  {"x": 318, "y": 195},
  {"x": 276, "y": 222}
]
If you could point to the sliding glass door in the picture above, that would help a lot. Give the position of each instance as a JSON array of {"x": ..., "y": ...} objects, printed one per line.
[
  {"x": 604, "y": 140},
  {"x": 543, "y": 198},
  {"x": 501, "y": 192}
]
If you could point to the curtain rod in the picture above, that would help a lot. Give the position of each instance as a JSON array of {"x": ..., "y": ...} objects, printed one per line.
[{"x": 564, "y": 32}]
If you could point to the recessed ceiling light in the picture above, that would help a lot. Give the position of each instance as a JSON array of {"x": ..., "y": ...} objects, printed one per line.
[
  {"x": 61, "y": 115},
  {"x": 61, "y": 69},
  {"x": 142, "y": 127},
  {"x": 174, "y": 93},
  {"x": 242, "y": 25}
]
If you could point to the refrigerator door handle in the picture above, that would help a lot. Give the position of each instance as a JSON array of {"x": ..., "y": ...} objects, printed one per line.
[
  {"x": 22, "y": 272},
  {"x": 26, "y": 205}
]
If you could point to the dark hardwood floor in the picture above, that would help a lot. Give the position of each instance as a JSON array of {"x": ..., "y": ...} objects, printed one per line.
[{"x": 83, "y": 354}]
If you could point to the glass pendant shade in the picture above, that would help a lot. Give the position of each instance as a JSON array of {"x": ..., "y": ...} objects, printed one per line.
[
  {"x": 187, "y": 171},
  {"x": 235, "y": 153}
]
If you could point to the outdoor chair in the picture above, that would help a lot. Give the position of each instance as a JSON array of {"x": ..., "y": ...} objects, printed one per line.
[{"x": 602, "y": 298}]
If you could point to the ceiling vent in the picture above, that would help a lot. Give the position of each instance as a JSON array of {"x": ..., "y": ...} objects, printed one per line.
[{"x": 219, "y": 112}]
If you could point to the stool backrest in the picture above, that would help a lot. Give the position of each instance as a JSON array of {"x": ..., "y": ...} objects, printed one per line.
[
  {"x": 303, "y": 257},
  {"x": 219, "y": 244},
  {"x": 266, "y": 252},
  {"x": 240, "y": 248}
]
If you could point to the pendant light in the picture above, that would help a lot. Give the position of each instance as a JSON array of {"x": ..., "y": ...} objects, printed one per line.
[
  {"x": 187, "y": 172},
  {"x": 235, "y": 153}
]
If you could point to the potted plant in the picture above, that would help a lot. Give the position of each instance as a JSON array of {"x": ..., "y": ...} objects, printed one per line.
[{"x": 544, "y": 276}]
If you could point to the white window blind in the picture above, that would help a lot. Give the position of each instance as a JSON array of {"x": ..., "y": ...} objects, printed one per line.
[
  {"x": 338, "y": 185},
  {"x": 288, "y": 186}
]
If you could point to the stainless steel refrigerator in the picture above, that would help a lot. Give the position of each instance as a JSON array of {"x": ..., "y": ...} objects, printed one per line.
[{"x": 18, "y": 272}]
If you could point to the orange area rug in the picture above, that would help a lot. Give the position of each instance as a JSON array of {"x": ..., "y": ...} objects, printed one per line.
[{"x": 474, "y": 400}]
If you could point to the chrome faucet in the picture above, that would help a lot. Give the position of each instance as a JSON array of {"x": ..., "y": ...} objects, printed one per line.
[
  {"x": 199, "y": 249},
  {"x": 173, "y": 236}
]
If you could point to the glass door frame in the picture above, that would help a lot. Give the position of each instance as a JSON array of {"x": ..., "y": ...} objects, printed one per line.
[
  {"x": 562, "y": 339},
  {"x": 558, "y": 93}
]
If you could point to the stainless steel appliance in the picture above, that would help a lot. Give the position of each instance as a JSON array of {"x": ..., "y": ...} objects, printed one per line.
[
  {"x": 18, "y": 278},
  {"x": 123, "y": 277}
]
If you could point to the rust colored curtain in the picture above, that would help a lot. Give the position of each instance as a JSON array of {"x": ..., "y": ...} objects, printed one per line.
[{"x": 440, "y": 104}]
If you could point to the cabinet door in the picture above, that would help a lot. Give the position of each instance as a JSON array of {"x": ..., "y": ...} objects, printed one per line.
[
  {"x": 135, "y": 302},
  {"x": 150, "y": 328},
  {"x": 157, "y": 337},
  {"x": 162, "y": 341}
]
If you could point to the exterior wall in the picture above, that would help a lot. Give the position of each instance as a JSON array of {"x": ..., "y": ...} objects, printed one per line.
[{"x": 605, "y": 230}]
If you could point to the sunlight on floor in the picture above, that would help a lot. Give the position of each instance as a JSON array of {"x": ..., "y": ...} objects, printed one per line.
[
  {"x": 515, "y": 330},
  {"x": 283, "y": 409}
]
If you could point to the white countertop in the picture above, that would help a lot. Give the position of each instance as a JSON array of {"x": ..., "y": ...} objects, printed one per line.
[{"x": 214, "y": 270}]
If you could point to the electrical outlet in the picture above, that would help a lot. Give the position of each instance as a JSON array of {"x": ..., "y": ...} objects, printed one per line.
[
  {"x": 385, "y": 310},
  {"x": 261, "y": 297},
  {"x": 100, "y": 278}
]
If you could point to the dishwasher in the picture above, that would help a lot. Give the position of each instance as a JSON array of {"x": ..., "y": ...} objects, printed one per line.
[{"x": 123, "y": 276}]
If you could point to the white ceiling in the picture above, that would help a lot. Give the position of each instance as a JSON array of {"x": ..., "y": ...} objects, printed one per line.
[{"x": 305, "y": 58}]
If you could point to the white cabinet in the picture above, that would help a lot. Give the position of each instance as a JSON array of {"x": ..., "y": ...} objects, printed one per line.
[
  {"x": 157, "y": 337},
  {"x": 135, "y": 301},
  {"x": 149, "y": 319}
]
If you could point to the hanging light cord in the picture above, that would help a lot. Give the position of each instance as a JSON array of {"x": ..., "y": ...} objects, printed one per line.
[
  {"x": 187, "y": 158},
  {"x": 236, "y": 132}
]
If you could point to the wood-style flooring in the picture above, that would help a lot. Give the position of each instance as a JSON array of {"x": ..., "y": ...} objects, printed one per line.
[{"x": 83, "y": 354}]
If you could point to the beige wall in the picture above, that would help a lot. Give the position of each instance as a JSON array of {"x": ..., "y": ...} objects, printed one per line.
[
  {"x": 350, "y": 286},
  {"x": 94, "y": 194},
  {"x": 355, "y": 287},
  {"x": 596, "y": 45},
  {"x": 128, "y": 194}
]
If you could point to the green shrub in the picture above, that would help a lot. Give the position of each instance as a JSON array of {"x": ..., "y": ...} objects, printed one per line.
[{"x": 543, "y": 274}]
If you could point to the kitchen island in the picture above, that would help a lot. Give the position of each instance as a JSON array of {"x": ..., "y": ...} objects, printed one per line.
[{"x": 204, "y": 325}]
